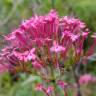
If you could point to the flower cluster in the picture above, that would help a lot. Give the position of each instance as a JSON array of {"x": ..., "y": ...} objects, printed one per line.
[{"x": 44, "y": 43}]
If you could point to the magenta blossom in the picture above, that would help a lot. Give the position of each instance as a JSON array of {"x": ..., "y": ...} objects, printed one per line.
[
  {"x": 62, "y": 84},
  {"x": 36, "y": 65},
  {"x": 25, "y": 56},
  {"x": 57, "y": 48}
]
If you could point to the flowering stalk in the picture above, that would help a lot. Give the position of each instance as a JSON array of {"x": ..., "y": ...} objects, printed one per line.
[
  {"x": 54, "y": 82},
  {"x": 76, "y": 77},
  {"x": 65, "y": 93}
]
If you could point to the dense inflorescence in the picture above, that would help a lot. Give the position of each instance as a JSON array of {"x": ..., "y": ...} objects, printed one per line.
[{"x": 45, "y": 42}]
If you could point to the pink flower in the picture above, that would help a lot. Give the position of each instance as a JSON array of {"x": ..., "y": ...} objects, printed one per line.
[
  {"x": 25, "y": 56},
  {"x": 70, "y": 36},
  {"x": 62, "y": 84},
  {"x": 87, "y": 78},
  {"x": 39, "y": 87},
  {"x": 21, "y": 56},
  {"x": 31, "y": 55},
  {"x": 20, "y": 37},
  {"x": 36, "y": 65},
  {"x": 49, "y": 89},
  {"x": 72, "y": 24},
  {"x": 85, "y": 34},
  {"x": 57, "y": 48}
]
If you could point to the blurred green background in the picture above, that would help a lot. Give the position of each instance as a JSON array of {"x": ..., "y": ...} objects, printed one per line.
[{"x": 13, "y": 12}]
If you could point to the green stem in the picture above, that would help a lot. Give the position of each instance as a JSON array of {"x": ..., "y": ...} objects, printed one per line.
[
  {"x": 53, "y": 80},
  {"x": 53, "y": 4},
  {"x": 76, "y": 77}
]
